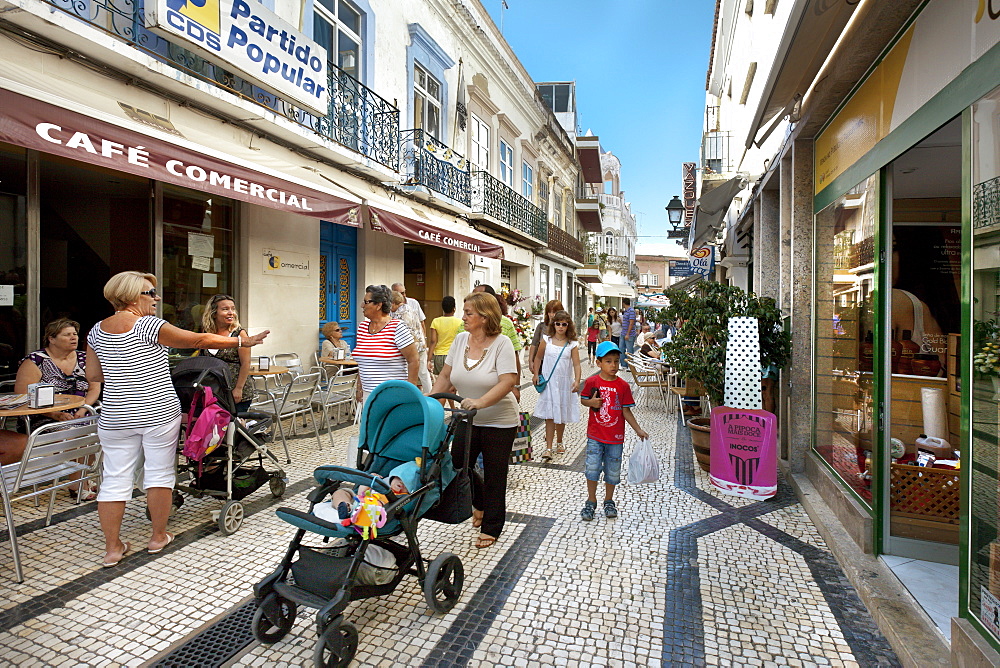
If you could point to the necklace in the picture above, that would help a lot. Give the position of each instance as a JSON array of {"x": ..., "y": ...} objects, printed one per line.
[
  {"x": 380, "y": 324},
  {"x": 465, "y": 357}
]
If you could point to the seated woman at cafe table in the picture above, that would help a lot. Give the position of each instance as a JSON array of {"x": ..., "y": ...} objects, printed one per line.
[{"x": 334, "y": 341}]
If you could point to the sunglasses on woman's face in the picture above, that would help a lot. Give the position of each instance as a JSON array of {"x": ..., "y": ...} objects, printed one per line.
[
  {"x": 561, "y": 324},
  {"x": 151, "y": 292}
]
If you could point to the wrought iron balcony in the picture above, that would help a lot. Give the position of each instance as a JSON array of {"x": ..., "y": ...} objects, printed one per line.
[
  {"x": 427, "y": 162},
  {"x": 618, "y": 263},
  {"x": 358, "y": 118},
  {"x": 496, "y": 202},
  {"x": 564, "y": 243}
]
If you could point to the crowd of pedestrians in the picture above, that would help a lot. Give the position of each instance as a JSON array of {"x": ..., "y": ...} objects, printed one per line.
[{"x": 473, "y": 352}]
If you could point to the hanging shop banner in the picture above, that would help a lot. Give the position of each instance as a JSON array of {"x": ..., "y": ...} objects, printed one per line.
[
  {"x": 245, "y": 36},
  {"x": 702, "y": 261},
  {"x": 744, "y": 459},
  {"x": 680, "y": 268},
  {"x": 33, "y": 124},
  {"x": 414, "y": 230}
]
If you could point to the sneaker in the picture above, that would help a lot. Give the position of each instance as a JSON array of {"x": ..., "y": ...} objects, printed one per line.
[
  {"x": 610, "y": 509},
  {"x": 588, "y": 510}
]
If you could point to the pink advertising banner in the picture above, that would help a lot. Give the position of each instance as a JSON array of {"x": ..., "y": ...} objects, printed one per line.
[{"x": 744, "y": 460}]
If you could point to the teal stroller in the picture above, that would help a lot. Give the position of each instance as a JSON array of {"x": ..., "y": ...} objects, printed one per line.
[{"x": 398, "y": 425}]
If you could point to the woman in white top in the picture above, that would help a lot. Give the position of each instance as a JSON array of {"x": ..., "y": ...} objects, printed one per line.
[
  {"x": 558, "y": 359},
  {"x": 140, "y": 412},
  {"x": 481, "y": 367}
]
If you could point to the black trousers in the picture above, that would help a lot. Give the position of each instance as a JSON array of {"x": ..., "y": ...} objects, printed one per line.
[{"x": 489, "y": 492}]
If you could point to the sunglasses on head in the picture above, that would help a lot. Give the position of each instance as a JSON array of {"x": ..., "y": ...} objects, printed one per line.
[
  {"x": 151, "y": 292},
  {"x": 221, "y": 298}
]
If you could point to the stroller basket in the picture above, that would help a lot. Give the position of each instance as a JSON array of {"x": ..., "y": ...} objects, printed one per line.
[
  {"x": 246, "y": 480},
  {"x": 321, "y": 571}
]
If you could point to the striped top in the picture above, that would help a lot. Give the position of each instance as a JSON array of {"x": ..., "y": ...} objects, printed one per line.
[
  {"x": 137, "y": 388},
  {"x": 378, "y": 355}
]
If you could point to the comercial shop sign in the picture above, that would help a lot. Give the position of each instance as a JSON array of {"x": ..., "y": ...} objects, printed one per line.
[
  {"x": 245, "y": 36},
  {"x": 44, "y": 127}
]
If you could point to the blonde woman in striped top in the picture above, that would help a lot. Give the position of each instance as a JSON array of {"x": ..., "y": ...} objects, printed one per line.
[
  {"x": 385, "y": 348},
  {"x": 140, "y": 412}
]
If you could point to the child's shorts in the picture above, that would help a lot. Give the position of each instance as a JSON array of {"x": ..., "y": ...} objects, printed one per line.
[{"x": 606, "y": 457}]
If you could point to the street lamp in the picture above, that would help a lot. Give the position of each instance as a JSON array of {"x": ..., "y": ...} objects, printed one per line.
[{"x": 675, "y": 212}]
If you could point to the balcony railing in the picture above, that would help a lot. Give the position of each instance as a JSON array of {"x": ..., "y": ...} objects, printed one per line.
[
  {"x": 565, "y": 243},
  {"x": 492, "y": 197},
  {"x": 358, "y": 118},
  {"x": 426, "y": 161},
  {"x": 618, "y": 263},
  {"x": 715, "y": 157}
]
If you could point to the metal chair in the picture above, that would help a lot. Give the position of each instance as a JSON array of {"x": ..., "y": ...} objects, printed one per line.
[
  {"x": 339, "y": 393},
  {"x": 291, "y": 362},
  {"x": 297, "y": 399},
  {"x": 267, "y": 402},
  {"x": 54, "y": 454},
  {"x": 647, "y": 376}
]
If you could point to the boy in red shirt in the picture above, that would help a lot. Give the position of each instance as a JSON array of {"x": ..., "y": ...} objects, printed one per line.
[{"x": 609, "y": 399}]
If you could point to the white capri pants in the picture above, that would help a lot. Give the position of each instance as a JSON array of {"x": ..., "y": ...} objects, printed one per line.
[{"x": 122, "y": 447}]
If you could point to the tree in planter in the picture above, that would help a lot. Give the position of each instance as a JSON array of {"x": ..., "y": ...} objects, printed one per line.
[{"x": 698, "y": 349}]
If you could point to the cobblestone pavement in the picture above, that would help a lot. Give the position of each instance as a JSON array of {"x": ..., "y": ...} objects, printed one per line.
[{"x": 684, "y": 576}]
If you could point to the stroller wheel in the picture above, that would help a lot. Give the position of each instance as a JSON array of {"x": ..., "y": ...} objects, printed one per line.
[
  {"x": 336, "y": 647},
  {"x": 277, "y": 487},
  {"x": 230, "y": 518},
  {"x": 443, "y": 584},
  {"x": 273, "y": 619}
]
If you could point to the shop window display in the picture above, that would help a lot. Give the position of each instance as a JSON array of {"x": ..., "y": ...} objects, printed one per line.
[
  {"x": 845, "y": 346},
  {"x": 984, "y": 431}
]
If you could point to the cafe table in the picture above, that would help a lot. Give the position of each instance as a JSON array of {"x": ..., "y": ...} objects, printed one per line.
[{"x": 64, "y": 402}]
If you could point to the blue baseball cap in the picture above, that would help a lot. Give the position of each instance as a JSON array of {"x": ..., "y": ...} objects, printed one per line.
[{"x": 606, "y": 347}]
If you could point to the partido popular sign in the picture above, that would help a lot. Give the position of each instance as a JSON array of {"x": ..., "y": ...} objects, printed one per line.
[{"x": 243, "y": 35}]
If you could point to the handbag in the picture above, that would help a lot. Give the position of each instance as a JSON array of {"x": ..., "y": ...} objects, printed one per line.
[
  {"x": 542, "y": 380},
  {"x": 521, "y": 451}
]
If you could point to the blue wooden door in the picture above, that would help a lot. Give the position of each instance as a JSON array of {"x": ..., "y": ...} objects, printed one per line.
[{"x": 338, "y": 265}]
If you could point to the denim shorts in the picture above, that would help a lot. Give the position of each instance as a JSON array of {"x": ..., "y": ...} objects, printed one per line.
[{"x": 606, "y": 457}]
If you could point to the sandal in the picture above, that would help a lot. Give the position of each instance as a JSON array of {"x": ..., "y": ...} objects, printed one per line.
[
  {"x": 82, "y": 496},
  {"x": 560, "y": 450},
  {"x": 547, "y": 454},
  {"x": 477, "y": 520},
  {"x": 484, "y": 540},
  {"x": 127, "y": 547}
]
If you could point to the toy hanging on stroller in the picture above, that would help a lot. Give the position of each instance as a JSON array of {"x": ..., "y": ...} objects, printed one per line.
[
  {"x": 234, "y": 468},
  {"x": 400, "y": 430}
]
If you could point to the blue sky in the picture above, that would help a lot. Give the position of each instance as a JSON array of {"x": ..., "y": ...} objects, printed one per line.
[{"x": 639, "y": 67}]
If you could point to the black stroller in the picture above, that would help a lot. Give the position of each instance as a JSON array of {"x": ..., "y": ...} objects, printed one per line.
[
  {"x": 236, "y": 468},
  {"x": 398, "y": 425}
]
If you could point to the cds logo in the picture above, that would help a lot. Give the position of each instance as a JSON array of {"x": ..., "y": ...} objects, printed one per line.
[
  {"x": 987, "y": 6},
  {"x": 200, "y": 20},
  {"x": 701, "y": 253}
]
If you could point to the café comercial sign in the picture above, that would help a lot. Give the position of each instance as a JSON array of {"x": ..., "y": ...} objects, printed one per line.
[{"x": 244, "y": 35}]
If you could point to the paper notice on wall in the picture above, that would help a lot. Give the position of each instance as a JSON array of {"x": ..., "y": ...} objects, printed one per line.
[
  {"x": 202, "y": 245},
  {"x": 6, "y": 295},
  {"x": 989, "y": 610},
  {"x": 201, "y": 263},
  {"x": 209, "y": 280}
]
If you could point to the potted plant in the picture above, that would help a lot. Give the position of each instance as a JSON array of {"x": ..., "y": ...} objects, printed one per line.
[{"x": 698, "y": 350}]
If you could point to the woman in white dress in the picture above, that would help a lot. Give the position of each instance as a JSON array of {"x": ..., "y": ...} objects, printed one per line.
[{"x": 558, "y": 359}]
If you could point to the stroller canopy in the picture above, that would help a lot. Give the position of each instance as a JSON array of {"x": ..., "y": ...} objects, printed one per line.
[{"x": 398, "y": 421}]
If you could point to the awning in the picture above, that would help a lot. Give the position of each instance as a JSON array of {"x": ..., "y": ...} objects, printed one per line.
[
  {"x": 617, "y": 290},
  {"x": 811, "y": 33},
  {"x": 711, "y": 209},
  {"x": 439, "y": 233},
  {"x": 48, "y": 128}
]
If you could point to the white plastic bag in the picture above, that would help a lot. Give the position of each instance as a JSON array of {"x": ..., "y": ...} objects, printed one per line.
[{"x": 642, "y": 464}]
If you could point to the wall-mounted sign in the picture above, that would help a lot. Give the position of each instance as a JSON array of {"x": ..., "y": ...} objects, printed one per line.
[
  {"x": 245, "y": 36},
  {"x": 285, "y": 263},
  {"x": 689, "y": 174},
  {"x": 702, "y": 261}
]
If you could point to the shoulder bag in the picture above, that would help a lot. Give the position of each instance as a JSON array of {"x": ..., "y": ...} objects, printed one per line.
[{"x": 542, "y": 380}]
